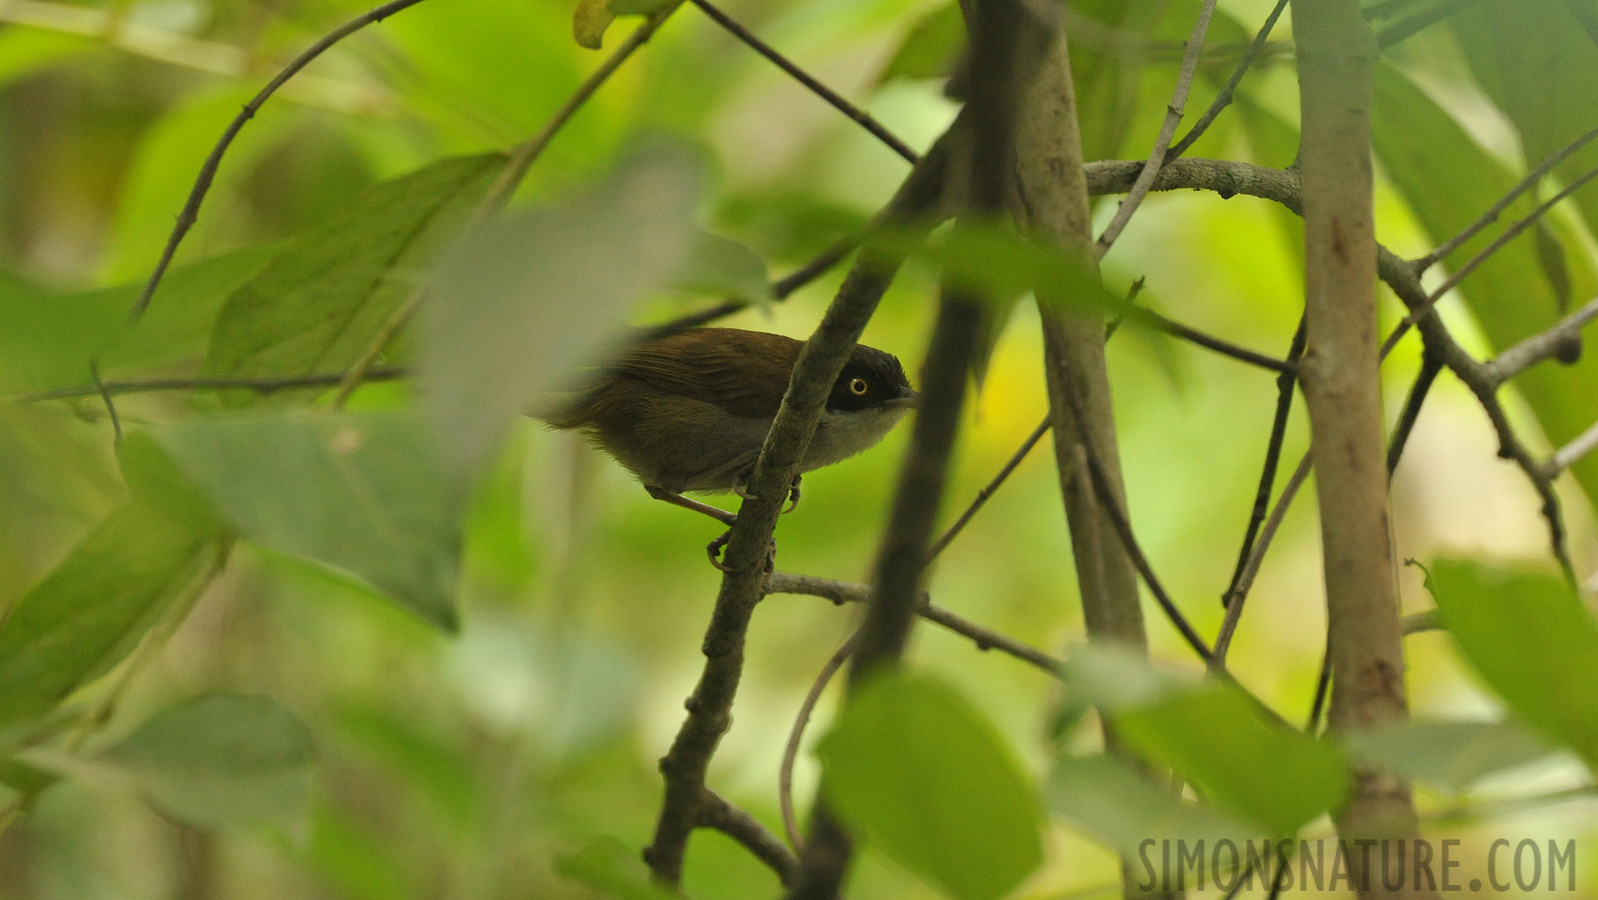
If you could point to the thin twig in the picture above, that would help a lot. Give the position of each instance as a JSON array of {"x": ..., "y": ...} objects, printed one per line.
[
  {"x": 1273, "y": 455},
  {"x": 796, "y": 735},
  {"x": 1498, "y": 243},
  {"x": 1430, "y": 365},
  {"x": 1245, "y": 579},
  {"x": 105, "y": 398},
  {"x": 1123, "y": 528},
  {"x": 1229, "y": 91},
  {"x": 1562, "y": 342},
  {"x": 202, "y": 383},
  {"x": 836, "y": 100},
  {"x": 715, "y": 812},
  {"x": 1173, "y": 117},
  {"x": 1531, "y": 180},
  {"x": 202, "y": 184},
  {"x": 984, "y": 495},
  {"x": 1208, "y": 342},
  {"x": 1571, "y": 453}
]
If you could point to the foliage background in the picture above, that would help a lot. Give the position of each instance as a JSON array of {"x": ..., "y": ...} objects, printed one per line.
[{"x": 462, "y": 766}]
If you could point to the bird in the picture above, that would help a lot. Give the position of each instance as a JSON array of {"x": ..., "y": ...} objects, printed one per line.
[{"x": 689, "y": 411}]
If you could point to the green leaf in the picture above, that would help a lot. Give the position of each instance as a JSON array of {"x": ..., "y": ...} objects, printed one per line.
[
  {"x": 929, "y": 781},
  {"x": 718, "y": 265},
  {"x": 1216, "y": 737},
  {"x": 1538, "y": 60},
  {"x": 47, "y": 340},
  {"x": 517, "y": 307},
  {"x": 318, "y": 305},
  {"x": 931, "y": 48},
  {"x": 615, "y": 870},
  {"x": 1531, "y": 640},
  {"x": 638, "y": 7},
  {"x": 1508, "y": 295},
  {"x": 590, "y": 20},
  {"x": 1106, "y": 797},
  {"x": 1449, "y": 755},
  {"x": 220, "y": 760},
  {"x": 161, "y": 175},
  {"x": 363, "y": 493},
  {"x": 25, "y": 52},
  {"x": 92, "y": 609}
]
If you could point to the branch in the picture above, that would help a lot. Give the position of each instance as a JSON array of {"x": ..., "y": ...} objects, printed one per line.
[
  {"x": 1173, "y": 117},
  {"x": 1273, "y": 456},
  {"x": 790, "y": 751},
  {"x": 832, "y": 97},
  {"x": 1192, "y": 335},
  {"x": 717, "y": 813},
  {"x": 987, "y": 492},
  {"x": 1238, "y": 595},
  {"x": 1498, "y": 243},
  {"x": 259, "y": 385},
  {"x": 985, "y": 639},
  {"x": 1342, "y": 389},
  {"x": 1562, "y": 342},
  {"x": 742, "y": 585},
  {"x": 202, "y": 184},
  {"x": 997, "y": 31},
  {"x": 1531, "y": 180},
  {"x": 1224, "y": 98},
  {"x": 1571, "y": 453}
]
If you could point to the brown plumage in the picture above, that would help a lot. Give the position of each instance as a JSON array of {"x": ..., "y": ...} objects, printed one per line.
[{"x": 689, "y": 412}]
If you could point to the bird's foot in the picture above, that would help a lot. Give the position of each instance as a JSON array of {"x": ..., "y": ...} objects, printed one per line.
[
  {"x": 714, "y": 548},
  {"x": 793, "y": 495}
]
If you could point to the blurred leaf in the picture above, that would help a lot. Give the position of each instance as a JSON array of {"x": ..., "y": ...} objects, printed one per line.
[
  {"x": 221, "y": 759},
  {"x": 638, "y": 7},
  {"x": 614, "y": 869},
  {"x": 1508, "y": 295},
  {"x": 1124, "y": 808},
  {"x": 164, "y": 167},
  {"x": 518, "y": 306},
  {"x": 931, "y": 48},
  {"x": 317, "y": 306},
  {"x": 929, "y": 781},
  {"x": 1216, "y": 737},
  {"x": 1527, "y": 636},
  {"x": 718, "y": 265},
  {"x": 426, "y": 764},
  {"x": 359, "y": 864},
  {"x": 1539, "y": 63},
  {"x": 363, "y": 493},
  {"x": 589, "y": 22},
  {"x": 26, "y": 52},
  {"x": 48, "y": 340},
  {"x": 1556, "y": 268},
  {"x": 1449, "y": 755},
  {"x": 93, "y": 608}
]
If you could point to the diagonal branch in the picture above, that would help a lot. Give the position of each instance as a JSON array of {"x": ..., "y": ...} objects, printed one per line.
[
  {"x": 836, "y": 100},
  {"x": 1532, "y": 179},
  {"x": 202, "y": 183},
  {"x": 742, "y": 585},
  {"x": 1173, "y": 117},
  {"x": 1229, "y": 91}
]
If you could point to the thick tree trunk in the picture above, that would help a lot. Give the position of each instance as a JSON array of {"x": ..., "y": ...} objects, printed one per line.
[
  {"x": 1052, "y": 197},
  {"x": 1342, "y": 390}
]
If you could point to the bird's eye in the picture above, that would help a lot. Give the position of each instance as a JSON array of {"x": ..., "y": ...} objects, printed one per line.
[{"x": 858, "y": 387}]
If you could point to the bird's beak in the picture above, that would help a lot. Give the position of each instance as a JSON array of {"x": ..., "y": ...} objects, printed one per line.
[{"x": 910, "y": 400}]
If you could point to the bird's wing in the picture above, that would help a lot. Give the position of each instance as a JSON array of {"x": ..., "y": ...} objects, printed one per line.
[{"x": 743, "y": 372}]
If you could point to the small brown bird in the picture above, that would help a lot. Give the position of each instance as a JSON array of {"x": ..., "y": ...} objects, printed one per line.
[{"x": 690, "y": 411}]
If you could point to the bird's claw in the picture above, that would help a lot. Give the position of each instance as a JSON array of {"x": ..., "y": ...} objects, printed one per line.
[
  {"x": 714, "y": 548},
  {"x": 793, "y": 496}
]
